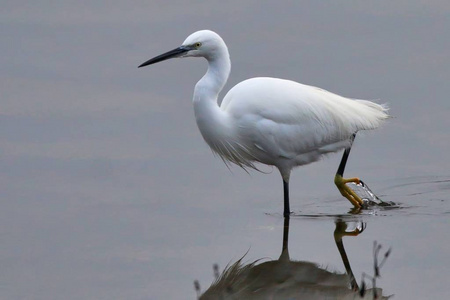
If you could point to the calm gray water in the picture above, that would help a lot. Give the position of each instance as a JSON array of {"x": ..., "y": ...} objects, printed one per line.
[{"x": 107, "y": 190}]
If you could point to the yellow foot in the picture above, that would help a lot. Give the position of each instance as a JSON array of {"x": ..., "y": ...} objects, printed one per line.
[
  {"x": 341, "y": 230},
  {"x": 348, "y": 192}
]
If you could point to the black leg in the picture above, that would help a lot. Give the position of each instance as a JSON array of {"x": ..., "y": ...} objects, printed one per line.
[
  {"x": 287, "y": 211},
  {"x": 285, "y": 250},
  {"x": 341, "y": 168},
  {"x": 285, "y": 233},
  {"x": 339, "y": 233},
  {"x": 341, "y": 182}
]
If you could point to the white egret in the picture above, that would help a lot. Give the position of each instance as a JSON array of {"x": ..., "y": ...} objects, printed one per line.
[{"x": 270, "y": 120}]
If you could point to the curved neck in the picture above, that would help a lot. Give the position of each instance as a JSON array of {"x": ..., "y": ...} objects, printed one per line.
[
  {"x": 210, "y": 85},
  {"x": 211, "y": 120}
]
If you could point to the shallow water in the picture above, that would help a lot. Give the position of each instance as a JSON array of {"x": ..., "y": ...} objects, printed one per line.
[
  {"x": 413, "y": 231},
  {"x": 107, "y": 190},
  {"x": 71, "y": 248}
]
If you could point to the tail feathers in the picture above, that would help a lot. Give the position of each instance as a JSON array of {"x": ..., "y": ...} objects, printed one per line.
[
  {"x": 374, "y": 113},
  {"x": 382, "y": 108}
]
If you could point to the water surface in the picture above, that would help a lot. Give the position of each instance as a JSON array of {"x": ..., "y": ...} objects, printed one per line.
[{"x": 107, "y": 190}]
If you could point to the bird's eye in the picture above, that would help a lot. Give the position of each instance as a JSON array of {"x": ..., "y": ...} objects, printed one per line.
[{"x": 197, "y": 45}]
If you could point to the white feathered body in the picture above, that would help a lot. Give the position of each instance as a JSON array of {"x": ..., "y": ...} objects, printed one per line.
[
  {"x": 286, "y": 124},
  {"x": 269, "y": 120}
]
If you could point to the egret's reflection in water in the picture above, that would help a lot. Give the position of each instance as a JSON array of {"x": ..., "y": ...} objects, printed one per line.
[{"x": 288, "y": 279}]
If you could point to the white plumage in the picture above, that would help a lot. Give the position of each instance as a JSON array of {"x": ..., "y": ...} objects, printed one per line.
[
  {"x": 269, "y": 120},
  {"x": 286, "y": 124}
]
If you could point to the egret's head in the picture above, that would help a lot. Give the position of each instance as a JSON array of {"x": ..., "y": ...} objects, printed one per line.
[{"x": 203, "y": 43}]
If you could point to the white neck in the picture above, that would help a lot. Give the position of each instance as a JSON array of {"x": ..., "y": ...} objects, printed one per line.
[
  {"x": 210, "y": 118},
  {"x": 210, "y": 85}
]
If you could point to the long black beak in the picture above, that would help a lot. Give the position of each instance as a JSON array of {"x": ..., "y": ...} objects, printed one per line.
[{"x": 171, "y": 54}]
